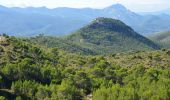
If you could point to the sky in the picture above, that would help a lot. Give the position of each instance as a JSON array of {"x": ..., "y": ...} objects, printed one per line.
[{"x": 134, "y": 5}]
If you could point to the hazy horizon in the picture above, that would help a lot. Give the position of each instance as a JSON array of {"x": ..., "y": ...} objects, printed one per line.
[{"x": 134, "y": 5}]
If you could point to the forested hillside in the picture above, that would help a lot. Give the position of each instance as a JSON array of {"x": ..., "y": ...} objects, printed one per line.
[
  {"x": 163, "y": 38},
  {"x": 101, "y": 36},
  {"x": 84, "y": 50},
  {"x": 30, "y": 71}
]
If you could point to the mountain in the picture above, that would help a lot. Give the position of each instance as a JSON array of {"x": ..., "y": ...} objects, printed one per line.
[
  {"x": 101, "y": 36},
  {"x": 165, "y": 11},
  {"x": 162, "y": 37},
  {"x": 60, "y": 21},
  {"x": 27, "y": 23}
]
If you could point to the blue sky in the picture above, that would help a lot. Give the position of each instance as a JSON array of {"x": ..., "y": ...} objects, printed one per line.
[{"x": 134, "y": 5}]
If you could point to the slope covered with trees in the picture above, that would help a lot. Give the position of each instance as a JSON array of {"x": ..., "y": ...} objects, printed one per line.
[
  {"x": 101, "y": 36},
  {"x": 162, "y": 38},
  {"x": 29, "y": 71}
]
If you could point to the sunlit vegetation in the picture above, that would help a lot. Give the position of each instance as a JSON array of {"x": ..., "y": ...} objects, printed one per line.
[{"x": 35, "y": 72}]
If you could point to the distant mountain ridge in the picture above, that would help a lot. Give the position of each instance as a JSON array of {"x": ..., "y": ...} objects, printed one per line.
[
  {"x": 165, "y": 11},
  {"x": 101, "y": 36},
  {"x": 60, "y": 21}
]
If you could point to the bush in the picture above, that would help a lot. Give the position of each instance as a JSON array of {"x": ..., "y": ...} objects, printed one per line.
[{"x": 2, "y": 98}]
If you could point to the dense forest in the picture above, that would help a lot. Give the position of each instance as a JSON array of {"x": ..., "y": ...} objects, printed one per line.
[{"x": 30, "y": 71}]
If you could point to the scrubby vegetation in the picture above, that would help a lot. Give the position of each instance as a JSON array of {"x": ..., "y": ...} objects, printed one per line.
[{"x": 35, "y": 72}]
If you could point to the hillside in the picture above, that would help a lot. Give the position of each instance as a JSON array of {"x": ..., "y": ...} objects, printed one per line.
[
  {"x": 106, "y": 35},
  {"x": 29, "y": 71},
  {"x": 101, "y": 36},
  {"x": 60, "y": 43},
  {"x": 163, "y": 38},
  {"x": 32, "y": 21}
]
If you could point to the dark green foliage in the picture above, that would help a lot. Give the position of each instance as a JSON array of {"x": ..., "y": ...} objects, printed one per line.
[
  {"x": 27, "y": 88},
  {"x": 1, "y": 49},
  {"x": 33, "y": 72},
  {"x": 149, "y": 84},
  {"x": 2, "y": 98}
]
